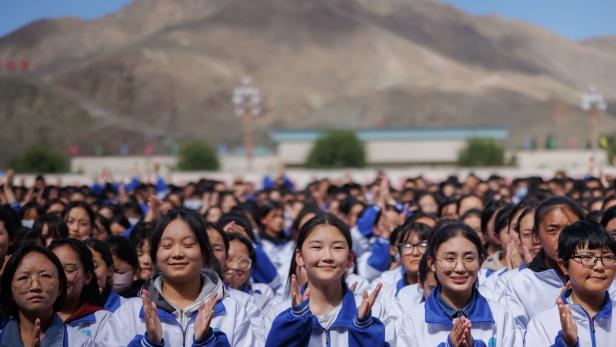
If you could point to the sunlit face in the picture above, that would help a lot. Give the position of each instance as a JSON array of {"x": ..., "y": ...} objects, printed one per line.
[
  {"x": 274, "y": 221},
  {"x": 76, "y": 278},
  {"x": 410, "y": 255},
  {"x": 589, "y": 281},
  {"x": 470, "y": 203},
  {"x": 551, "y": 225},
  {"x": 325, "y": 254},
  {"x": 79, "y": 224},
  {"x": 179, "y": 255},
  {"x": 428, "y": 204},
  {"x": 102, "y": 271},
  {"x": 35, "y": 285},
  {"x": 238, "y": 265},
  {"x": 456, "y": 265},
  {"x": 218, "y": 245},
  {"x": 474, "y": 222},
  {"x": 213, "y": 215}
]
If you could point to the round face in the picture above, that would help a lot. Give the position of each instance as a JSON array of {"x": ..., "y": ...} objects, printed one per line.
[
  {"x": 611, "y": 227},
  {"x": 411, "y": 251},
  {"x": 428, "y": 204},
  {"x": 101, "y": 270},
  {"x": 145, "y": 261},
  {"x": 218, "y": 245},
  {"x": 589, "y": 280},
  {"x": 213, "y": 215},
  {"x": 79, "y": 224},
  {"x": 238, "y": 265},
  {"x": 456, "y": 265},
  {"x": 76, "y": 279},
  {"x": 35, "y": 285},
  {"x": 325, "y": 255},
  {"x": 179, "y": 255},
  {"x": 474, "y": 222},
  {"x": 551, "y": 225},
  {"x": 4, "y": 241}
]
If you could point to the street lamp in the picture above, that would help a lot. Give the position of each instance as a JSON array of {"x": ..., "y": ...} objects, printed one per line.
[
  {"x": 593, "y": 102},
  {"x": 247, "y": 101}
]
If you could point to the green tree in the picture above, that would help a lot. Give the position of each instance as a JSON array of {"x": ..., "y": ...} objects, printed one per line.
[
  {"x": 198, "y": 155},
  {"x": 482, "y": 152},
  {"x": 40, "y": 159},
  {"x": 337, "y": 149}
]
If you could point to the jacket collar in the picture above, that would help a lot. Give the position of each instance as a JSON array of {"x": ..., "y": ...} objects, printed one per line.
[
  {"x": 84, "y": 314},
  {"x": 55, "y": 336},
  {"x": 113, "y": 301},
  {"x": 478, "y": 310},
  {"x": 544, "y": 272},
  {"x": 346, "y": 314},
  {"x": 606, "y": 310}
]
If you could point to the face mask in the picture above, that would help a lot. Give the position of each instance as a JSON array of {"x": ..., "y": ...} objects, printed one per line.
[
  {"x": 193, "y": 204},
  {"x": 28, "y": 223},
  {"x": 123, "y": 281},
  {"x": 133, "y": 221}
]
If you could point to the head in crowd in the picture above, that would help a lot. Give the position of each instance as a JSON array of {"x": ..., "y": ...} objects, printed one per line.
[
  {"x": 125, "y": 264},
  {"x": 33, "y": 271},
  {"x": 82, "y": 287},
  {"x": 412, "y": 244},
  {"x": 180, "y": 248},
  {"x": 79, "y": 218},
  {"x": 324, "y": 250},
  {"x": 472, "y": 218},
  {"x": 219, "y": 243},
  {"x": 272, "y": 220},
  {"x": 51, "y": 227},
  {"x": 9, "y": 226},
  {"x": 427, "y": 279},
  {"x": 428, "y": 203},
  {"x": 140, "y": 237},
  {"x": 455, "y": 255},
  {"x": 608, "y": 220},
  {"x": 528, "y": 240},
  {"x": 587, "y": 255},
  {"x": 103, "y": 265},
  {"x": 551, "y": 216},
  {"x": 240, "y": 261}
]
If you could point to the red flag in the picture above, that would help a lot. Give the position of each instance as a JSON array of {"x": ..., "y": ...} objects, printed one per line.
[
  {"x": 149, "y": 149},
  {"x": 25, "y": 65},
  {"x": 74, "y": 149},
  {"x": 10, "y": 66}
]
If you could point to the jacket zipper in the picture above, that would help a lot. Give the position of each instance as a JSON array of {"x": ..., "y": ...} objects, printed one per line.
[{"x": 327, "y": 338}]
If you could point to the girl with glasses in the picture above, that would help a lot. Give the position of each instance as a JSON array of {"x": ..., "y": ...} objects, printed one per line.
[
  {"x": 455, "y": 313},
  {"x": 583, "y": 314}
]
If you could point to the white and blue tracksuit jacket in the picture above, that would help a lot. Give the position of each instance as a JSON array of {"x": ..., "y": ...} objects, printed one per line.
[
  {"x": 58, "y": 334},
  {"x": 428, "y": 325},
  {"x": 297, "y": 326},
  {"x": 545, "y": 328},
  {"x": 114, "y": 300},
  {"x": 93, "y": 325},
  {"x": 230, "y": 325}
]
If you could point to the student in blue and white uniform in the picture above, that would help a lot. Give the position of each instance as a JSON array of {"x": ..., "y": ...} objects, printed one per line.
[
  {"x": 103, "y": 268},
  {"x": 278, "y": 246},
  {"x": 239, "y": 262},
  {"x": 583, "y": 315},
  {"x": 542, "y": 277},
  {"x": 33, "y": 291},
  {"x": 415, "y": 294},
  {"x": 324, "y": 312},
  {"x": 82, "y": 308},
  {"x": 455, "y": 313},
  {"x": 186, "y": 303}
]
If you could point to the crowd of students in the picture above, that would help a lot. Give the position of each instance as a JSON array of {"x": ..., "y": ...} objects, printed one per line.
[{"x": 472, "y": 262}]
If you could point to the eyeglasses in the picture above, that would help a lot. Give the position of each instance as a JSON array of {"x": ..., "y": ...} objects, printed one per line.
[
  {"x": 470, "y": 263},
  {"x": 406, "y": 248},
  {"x": 589, "y": 261},
  {"x": 241, "y": 263},
  {"x": 25, "y": 282}
]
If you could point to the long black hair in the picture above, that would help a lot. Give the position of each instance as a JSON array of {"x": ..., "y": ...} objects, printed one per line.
[{"x": 89, "y": 292}]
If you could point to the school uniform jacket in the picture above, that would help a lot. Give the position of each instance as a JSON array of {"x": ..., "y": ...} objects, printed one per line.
[
  {"x": 229, "y": 326},
  {"x": 297, "y": 326},
  {"x": 114, "y": 300},
  {"x": 545, "y": 328},
  {"x": 58, "y": 334},
  {"x": 428, "y": 325},
  {"x": 91, "y": 321}
]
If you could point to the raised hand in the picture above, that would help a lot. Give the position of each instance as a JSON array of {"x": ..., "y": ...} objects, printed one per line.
[
  {"x": 514, "y": 258},
  {"x": 152, "y": 322},
  {"x": 204, "y": 317},
  {"x": 153, "y": 209},
  {"x": 569, "y": 327},
  {"x": 366, "y": 305},
  {"x": 296, "y": 292},
  {"x": 353, "y": 287},
  {"x": 36, "y": 337}
]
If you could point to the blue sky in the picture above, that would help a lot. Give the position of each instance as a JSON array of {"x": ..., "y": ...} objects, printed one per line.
[{"x": 575, "y": 19}]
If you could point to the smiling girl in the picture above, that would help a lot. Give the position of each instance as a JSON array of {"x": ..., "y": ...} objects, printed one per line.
[
  {"x": 324, "y": 311},
  {"x": 455, "y": 313}
]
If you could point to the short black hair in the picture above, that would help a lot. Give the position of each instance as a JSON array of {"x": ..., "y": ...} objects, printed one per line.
[
  {"x": 9, "y": 306},
  {"x": 124, "y": 249},
  {"x": 550, "y": 203},
  {"x": 246, "y": 242},
  {"x": 587, "y": 234},
  {"x": 81, "y": 204},
  {"x": 608, "y": 215}
]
